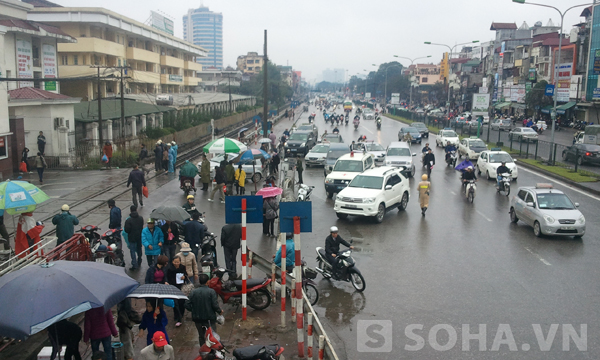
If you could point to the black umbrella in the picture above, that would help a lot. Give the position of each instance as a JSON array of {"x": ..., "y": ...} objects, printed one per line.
[
  {"x": 159, "y": 291},
  {"x": 170, "y": 213}
]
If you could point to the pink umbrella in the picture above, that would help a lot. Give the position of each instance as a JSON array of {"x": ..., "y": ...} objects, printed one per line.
[{"x": 268, "y": 192}]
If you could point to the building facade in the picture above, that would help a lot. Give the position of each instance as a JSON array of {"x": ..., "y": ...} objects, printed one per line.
[
  {"x": 156, "y": 62},
  {"x": 213, "y": 79},
  {"x": 250, "y": 64},
  {"x": 204, "y": 28}
]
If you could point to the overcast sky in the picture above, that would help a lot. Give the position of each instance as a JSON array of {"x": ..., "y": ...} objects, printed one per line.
[{"x": 313, "y": 35}]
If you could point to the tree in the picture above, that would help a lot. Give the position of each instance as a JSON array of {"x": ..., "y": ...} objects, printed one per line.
[{"x": 536, "y": 98}]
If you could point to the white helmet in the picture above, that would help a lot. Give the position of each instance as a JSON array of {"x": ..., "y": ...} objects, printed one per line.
[
  {"x": 113, "y": 247},
  {"x": 469, "y": 168},
  {"x": 333, "y": 229}
]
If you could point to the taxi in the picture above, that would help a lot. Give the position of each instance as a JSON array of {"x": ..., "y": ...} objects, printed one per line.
[
  {"x": 471, "y": 147},
  {"x": 445, "y": 136}
]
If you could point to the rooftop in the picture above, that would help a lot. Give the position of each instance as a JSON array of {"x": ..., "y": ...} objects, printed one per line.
[
  {"x": 184, "y": 99},
  {"x": 30, "y": 93},
  {"x": 17, "y": 25},
  {"x": 41, "y": 3},
  {"x": 87, "y": 111},
  {"x": 503, "y": 26}
]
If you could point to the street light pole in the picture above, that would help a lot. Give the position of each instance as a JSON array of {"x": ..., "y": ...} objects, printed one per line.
[
  {"x": 411, "y": 63},
  {"x": 551, "y": 159}
]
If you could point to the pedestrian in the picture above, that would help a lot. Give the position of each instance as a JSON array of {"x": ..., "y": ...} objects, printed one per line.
[
  {"x": 154, "y": 320},
  {"x": 171, "y": 157},
  {"x": 28, "y": 234},
  {"x": 231, "y": 241},
  {"x": 41, "y": 143},
  {"x": 300, "y": 169},
  {"x": 3, "y": 231},
  {"x": 143, "y": 153},
  {"x": 40, "y": 165},
  {"x": 156, "y": 274},
  {"x": 188, "y": 259},
  {"x": 24, "y": 156},
  {"x": 115, "y": 219},
  {"x": 194, "y": 232},
  {"x": 229, "y": 177},
  {"x": 68, "y": 334},
  {"x": 157, "y": 157},
  {"x": 203, "y": 304},
  {"x": 133, "y": 227},
  {"x": 275, "y": 162},
  {"x": 159, "y": 349},
  {"x": 177, "y": 276},
  {"x": 290, "y": 253},
  {"x": 205, "y": 173},
  {"x": 240, "y": 180},
  {"x": 218, "y": 185},
  {"x": 137, "y": 180},
  {"x": 270, "y": 208},
  {"x": 424, "y": 188},
  {"x": 171, "y": 233},
  {"x": 152, "y": 239},
  {"x": 98, "y": 327},
  {"x": 65, "y": 224},
  {"x": 108, "y": 151},
  {"x": 175, "y": 149},
  {"x": 223, "y": 163},
  {"x": 429, "y": 160},
  {"x": 127, "y": 318},
  {"x": 165, "y": 158}
]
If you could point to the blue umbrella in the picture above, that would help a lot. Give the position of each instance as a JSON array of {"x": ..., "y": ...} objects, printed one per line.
[
  {"x": 38, "y": 296},
  {"x": 248, "y": 156}
]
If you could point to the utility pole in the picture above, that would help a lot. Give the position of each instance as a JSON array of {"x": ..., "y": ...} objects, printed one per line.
[
  {"x": 230, "y": 108},
  {"x": 265, "y": 90},
  {"x": 100, "y": 137},
  {"x": 123, "y": 107},
  {"x": 100, "y": 100}
]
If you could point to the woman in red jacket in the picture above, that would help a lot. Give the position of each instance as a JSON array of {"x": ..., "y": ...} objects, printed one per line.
[{"x": 99, "y": 326}]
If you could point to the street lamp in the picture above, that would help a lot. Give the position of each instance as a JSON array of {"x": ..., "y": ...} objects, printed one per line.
[
  {"x": 366, "y": 81},
  {"x": 555, "y": 82},
  {"x": 450, "y": 56},
  {"x": 411, "y": 62}
]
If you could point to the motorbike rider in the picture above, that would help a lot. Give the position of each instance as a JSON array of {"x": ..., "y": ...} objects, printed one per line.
[
  {"x": 356, "y": 121},
  {"x": 502, "y": 169},
  {"x": 356, "y": 117},
  {"x": 190, "y": 207},
  {"x": 362, "y": 138},
  {"x": 467, "y": 176},
  {"x": 286, "y": 133},
  {"x": 449, "y": 149},
  {"x": 332, "y": 248},
  {"x": 424, "y": 152},
  {"x": 336, "y": 130}
]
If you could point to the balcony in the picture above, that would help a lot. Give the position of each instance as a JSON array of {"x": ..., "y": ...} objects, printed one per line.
[
  {"x": 190, "y": 65},
  {"x": 76, "y": 70},
  {"x": 142, "y": 55},
  {"x": 93, "y": 45},
  {"x": 171, "y": 61},
  {"x": 171, "y": 79},
  {"x": 191, "y": 81},
  {"x": 146, "y": 77}
]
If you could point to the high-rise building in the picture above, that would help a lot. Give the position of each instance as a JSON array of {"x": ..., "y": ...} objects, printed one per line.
[{"x": 204, "y": 28}]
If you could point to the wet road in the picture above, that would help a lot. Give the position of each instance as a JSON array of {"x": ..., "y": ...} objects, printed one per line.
[{"x": 464, "y": 264}]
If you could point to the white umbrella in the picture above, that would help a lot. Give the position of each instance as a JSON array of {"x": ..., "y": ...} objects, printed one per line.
[{"x": 264, "y": 140}]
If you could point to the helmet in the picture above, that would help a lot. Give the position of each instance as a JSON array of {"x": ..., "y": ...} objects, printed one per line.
[
  {"x": 102, "y": 248},
  {"x": 190, "y": 197},
  {"x": 333, "y": 229},
  {"x": 469, "y": 168},
  {"x": 424, "y": 177},
  {"x": 289, "y": 235},
  {"x": 112, "y": 247},
  {"x": 173, "y": 143},
  {"x": 65, "y": 207}
]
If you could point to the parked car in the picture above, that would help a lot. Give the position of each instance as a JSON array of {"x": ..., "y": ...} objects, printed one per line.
[
  {"x": 414, "y": 133},
  {"x": 317, "y": 155},
  {"x": 373, "y": 193},
  {"x": 398, "y": 155},
  {"x": 423, "y": 129},
  {"x": 471, "y": 147},
  {"x": 548, "y": 211},
  {"x": 582, "y": 153},
  {"x": 489, "y": 160},
  {"x": 300, "y": 142},
  {"x": 345, "y": 169},
  {"x": 335, "y": 151},
  {"x": 502, "y": 124},
  {"x": 525, "y": 133}
]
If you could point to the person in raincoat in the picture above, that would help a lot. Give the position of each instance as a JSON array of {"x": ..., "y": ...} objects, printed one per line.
[
  {"x": 65, "y": 224},
  {"x": 152, "y": 239},
  {"x": 28, "y": 234},
  {"x": 188, "y": 172},
  {"x": 205, "y": 173},
  {"x": 171, "y": 157},
  {"x": 424, "y": 188},
  {"x": 240, "y": 178},
  {"x": 462, "y": 167},
  {"x": 175, "y": 148}
]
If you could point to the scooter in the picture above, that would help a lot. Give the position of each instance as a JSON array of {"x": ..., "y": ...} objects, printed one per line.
[
  {"x": 349, "y": 272},
  {"x": 208, "y": 261},
  {"x": 470, "y": 190},
  {"x": 378, "y": 123},
  {"x": 347, "y": 119},
  {"x": 213, "y": 349},
  {"x": 187, "y": 187},
  {"x": 304, "y": 192},
  {"x": 308, "y": 284},
  {"x": 505, "y": 180},
  {"x": 258, "y": 295},
  {"x": 112, "y": 237},
  {"x": 91, "y": 234},
  {"x": 356, "y": 123},
  {"x": 104, "y": 254},
  {"x": 451, "y": 159}
]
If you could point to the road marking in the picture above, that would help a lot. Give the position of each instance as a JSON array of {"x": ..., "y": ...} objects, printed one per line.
[
  {"x": 362, "y": 126},
  {"x": 560, "y": 183},
  {"x": 482, "y": 214},
  {"x": 538, "y": 256},
  {"x": 452, "y": 192}
]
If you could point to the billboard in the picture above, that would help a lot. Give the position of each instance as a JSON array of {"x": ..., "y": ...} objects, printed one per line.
[
  {"x": 576, "y": 88},
  {"x": 563, "y": 88},
  {"x": 368, "y": 95},
  {"x": 395, "y": 99},
  {"x": 481, "y": 103},
  {"x": 49, "y": 66},
  {"x": 24, "y": 63},
  {"x": 444, "y": 66},
  {"x": 161, "y": 23}
]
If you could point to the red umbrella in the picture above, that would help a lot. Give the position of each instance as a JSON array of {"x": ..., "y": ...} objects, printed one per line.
[{"x": 268, "y": 192}]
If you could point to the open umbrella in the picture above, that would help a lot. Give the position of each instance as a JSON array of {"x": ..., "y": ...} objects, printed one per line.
[
  {"x": 170, "y": 213},
  {"x": 159, "y": 291},
  {"x": 264, "y": 140},
  {"x": 18, "y": 197},
  {"x": 268, "y": 192},
  {"x": 38, "y": 296},
  {"x": 248, "y": 156},
  {"x": 224, "y": 145}
]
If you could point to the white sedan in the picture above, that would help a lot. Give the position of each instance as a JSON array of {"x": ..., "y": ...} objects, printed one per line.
[
  {"x": 446, "y": 136},
  {"x": 489, "y": 161},
  {"x": 471, "y": 147}
]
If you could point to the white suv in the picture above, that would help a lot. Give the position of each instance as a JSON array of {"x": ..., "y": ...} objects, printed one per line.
[
  {"x": 373, "y": 193},
  {"x": 345, "y": 169}
]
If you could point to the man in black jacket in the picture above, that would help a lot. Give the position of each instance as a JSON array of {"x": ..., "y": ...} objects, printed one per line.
[
  {"x": 231, "y": 241},
  {"x": 133, "y": 227},
  {"x": 332, "y": 248},
  {"x": 219, "y": 184},
  {"x": 158, "y": 155},
  {"x": 429, "y": 161},
  {"x": 137, "y": 181},
  {"x": 194, "y": 232},
  {"x": 203, "y": 305}
]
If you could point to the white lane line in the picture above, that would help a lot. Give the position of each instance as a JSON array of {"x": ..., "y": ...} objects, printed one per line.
[
  {"x": 482, "y": 214},
  {"x": 544, "y": 261},
  {"x": 452, "y": 192},
  {"x": 362, "y": 126},
  {"x": 560, "y": 183}
]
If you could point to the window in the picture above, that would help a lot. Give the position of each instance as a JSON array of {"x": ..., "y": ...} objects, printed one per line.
[
  {"x": 83, "y": 61},
  {"x": 424, "y": 79},
  {"x": 529, "y": 198},
  {"x": 119, "y": 62},
  {"x": 75, "y": 60},
  {"x": 3, "y": 147},
  {"x": 64, "y": 60},
  {"x": 369, "y": 163}
]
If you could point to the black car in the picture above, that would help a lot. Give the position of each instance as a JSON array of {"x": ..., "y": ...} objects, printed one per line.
[
  {"x": 414, "y": 133},
  {"x": 422, "y": 129},
  {"x": 300, "y": 142},
  {"x": 582, "y": 153}
]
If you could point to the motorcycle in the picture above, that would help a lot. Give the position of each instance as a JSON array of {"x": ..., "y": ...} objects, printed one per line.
[
  {"x": 208, "y": 261},
  {"x": 470, "y": 189},
  {"x": 505, "y": 180},
  {"x": 356, "y": 123},
  {"x": 112, "y": 237},
  {"x": 347, "y": 119},
  {"x": 214, "y": 349},
  {"x": 308, "y": 284},
  {"x": 187, "y": 187},
  {"x": 349, "y": 272},
  {"x": 91, "y": 234},
  {"x": 451, "y": 158},
  {"x": 258, "y": 295},
  {"x": 304, "y": 192},
  {"x": 378, "y": 123},
  {"x": 100, "y": 252}
]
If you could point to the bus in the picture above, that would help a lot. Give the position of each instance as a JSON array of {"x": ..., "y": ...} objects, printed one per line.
[{"x": 348, "y": 106}]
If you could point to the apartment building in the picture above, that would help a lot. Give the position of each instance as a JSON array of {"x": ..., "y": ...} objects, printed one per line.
[
  {"x": 156, "y": 62},
  {"x": 426, "y": 74},
  {"x": 250, "y": 64}
]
